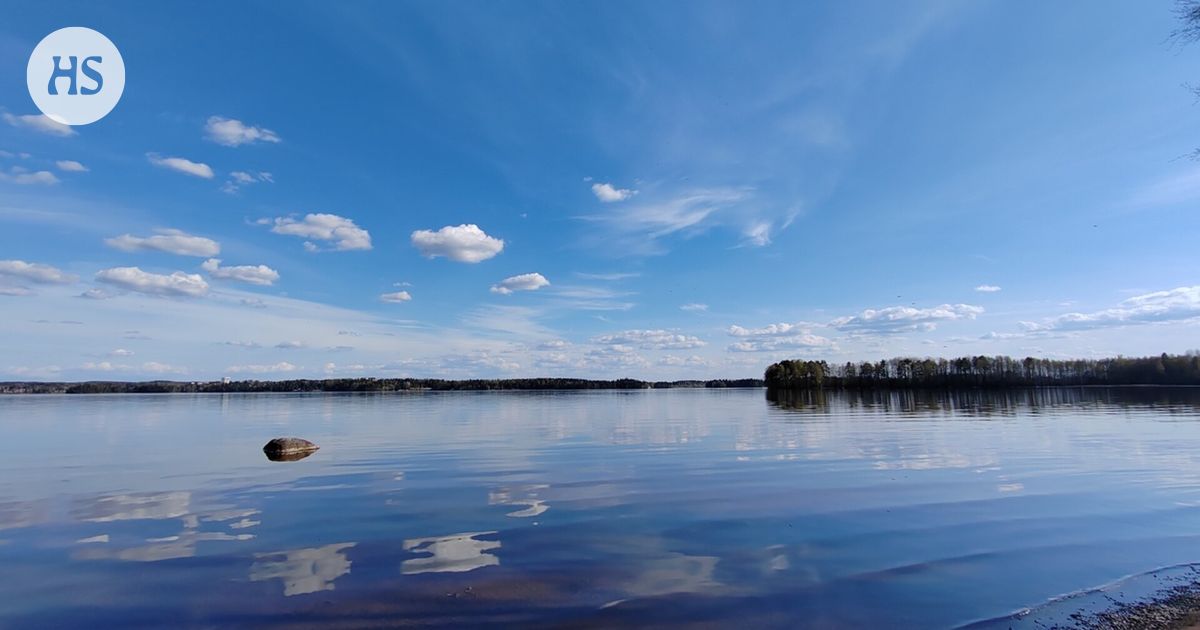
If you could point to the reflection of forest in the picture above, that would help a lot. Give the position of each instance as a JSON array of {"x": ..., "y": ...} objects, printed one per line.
[{"x": 983, "y": 401}]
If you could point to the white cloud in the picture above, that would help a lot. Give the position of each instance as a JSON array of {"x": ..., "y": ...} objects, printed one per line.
[
  {"x": 240, "y": 179},
  {"x": 608, "y": 193},
  {"x": 771, "y": 344},
  {"x": 396, "y": 298},
  {"x": 96, "y": 294},
  {"x": 19, "y": 175},
  {"x": 291, "y": 345},
  {"x": 462, "y": 243},
  {"x": 694, "y": 307},
  {"x": 774, "y": 337},
  {"x": 1179, "y": 304},
  {"x": 607, "y": 276},
  {"x": 641, "y": 228},
  {"x": 987, "y": 288},
  {"x": 523, "y": 282},
  {"x": 169, "y": 241},
  {"x": 121, "y": 352},
  {"x": 231, "y": 132},
  {"x": 134, "y": 279},
  {"x": 71, "y": 166},
  {"x": 282, "y": 366},
  {"x": 155, "y": 367},
  {"x": 896, "y": 319},
  {"x": 771, "y": 330},
  {"x": 651, "y": 340},
  {"x": 340, "y": 231},
  {"x": 181, "y": 165},
  {"x": 677, "y": 361},
  {"x": 34, "y": 272},
  {"x": 39, "y": 123},
  {"x": 15, "y": 291},
  {"x": 253, "y": 274}
]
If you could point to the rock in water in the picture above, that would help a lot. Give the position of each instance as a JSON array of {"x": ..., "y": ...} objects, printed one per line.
[{"x": 288, "y": 449}]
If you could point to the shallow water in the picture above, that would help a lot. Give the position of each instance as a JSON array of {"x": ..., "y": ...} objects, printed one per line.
[{"x": 669, "y": 507}]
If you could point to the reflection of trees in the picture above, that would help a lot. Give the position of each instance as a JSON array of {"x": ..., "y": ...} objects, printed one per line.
[
  {"x": 981, "y": 402},
  {"x": 455, "y": 553},
  {"x": 303, "y": 570}
]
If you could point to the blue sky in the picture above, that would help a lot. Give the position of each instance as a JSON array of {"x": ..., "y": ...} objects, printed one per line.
[{"x": 599, "y": 189}]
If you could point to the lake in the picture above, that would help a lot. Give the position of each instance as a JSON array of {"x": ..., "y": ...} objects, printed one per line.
[{"x": 663, "y": 507}]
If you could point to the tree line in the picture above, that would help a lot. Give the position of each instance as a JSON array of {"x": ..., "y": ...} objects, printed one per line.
[
  {"x": 358, "y": 385},
  {"x": 985, "y": 371}
]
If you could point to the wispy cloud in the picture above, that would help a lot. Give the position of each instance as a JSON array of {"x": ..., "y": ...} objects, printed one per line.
[
  {"x": 782, "y": 336},
  {"x": 231, "y": 132},
  {"x": 71, "y": 166},
  {"x": 1179, "y": 304},
  {"x": 253, "y": 274},
  {"x": 170, "y": 241},
  {"x": 396, "y": 297},
  {"x": 177, "y": 284},
  {"x": 651, "y": 340},
  {"x": 39, "y": 123},
  {"x": 181, "y": 165},
  {"x": 899, "y": 319},
  {"x": 987, "y": 288}
]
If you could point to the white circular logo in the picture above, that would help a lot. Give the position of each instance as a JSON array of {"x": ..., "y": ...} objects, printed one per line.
[{"x": 75, "y": 76}]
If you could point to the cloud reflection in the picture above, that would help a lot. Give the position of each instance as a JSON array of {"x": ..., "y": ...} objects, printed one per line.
[
  {"x": 455, "y": 553},
  {"x": 305, "y": 570}
]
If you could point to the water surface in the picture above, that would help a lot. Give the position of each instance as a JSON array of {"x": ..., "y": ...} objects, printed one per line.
[{"x": 671, "y": 507}]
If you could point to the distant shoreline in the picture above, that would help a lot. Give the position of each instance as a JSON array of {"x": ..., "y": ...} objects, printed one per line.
[{"x": 362, "y": 385}]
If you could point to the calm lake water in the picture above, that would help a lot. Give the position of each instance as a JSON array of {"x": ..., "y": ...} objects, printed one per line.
[{"x": 672, "y": 507}]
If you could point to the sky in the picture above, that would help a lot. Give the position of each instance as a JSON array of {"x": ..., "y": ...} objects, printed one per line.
[{"x": 658, "y": 190}]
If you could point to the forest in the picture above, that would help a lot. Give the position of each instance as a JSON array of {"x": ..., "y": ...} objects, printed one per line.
[{"x": 986, "y": 372}]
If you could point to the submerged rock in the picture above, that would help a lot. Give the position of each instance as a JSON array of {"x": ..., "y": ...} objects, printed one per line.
[{"x": 288, "y": 449}]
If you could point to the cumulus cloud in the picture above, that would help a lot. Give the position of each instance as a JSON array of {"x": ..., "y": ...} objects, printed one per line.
[
  {"x": 523, "y": 282},
  {"x": 34, "y": 272},
  {"x": 651, "y": 340},
  {"x": 39, "y": 123},
  {"x": 181, "y": 165},
  {"x": 254, "y": 274},
  {"x": 395, "y": 298},
  {"x": 167, "y": 240},
  {"x": 898, "y": 319},
  {"x": 694, "y": 307},
  {"x": 231, "y": 132},
  {"x": 177, "y": 284},
  {"x": 282, "y": 366},
  {"x": 71, "y": 166},
  {"x": 987, "y": 288},
  {"x": 772, "y": 337},
  {"x": 1179, "y": 304},
  {"x": 340, "y": 231},
  {"x": 608, "y": 193},
  {"x": 23, "y": 176},
  {"x": 461, "y": 243}
]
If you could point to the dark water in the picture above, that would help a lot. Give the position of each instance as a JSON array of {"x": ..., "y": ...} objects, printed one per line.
[{"x": 587, "y": 508}]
